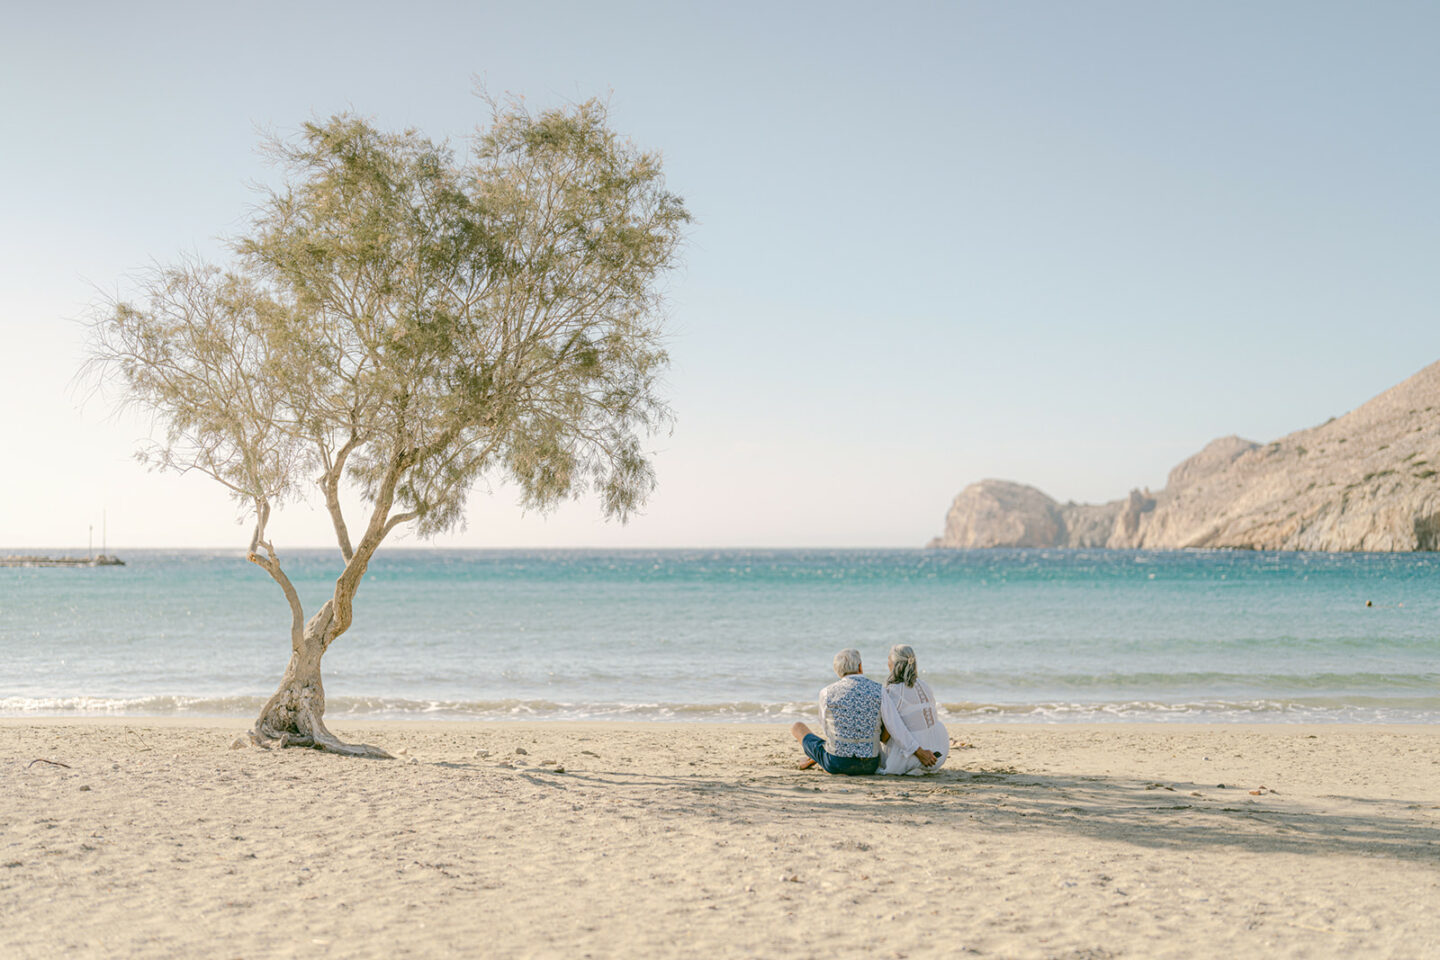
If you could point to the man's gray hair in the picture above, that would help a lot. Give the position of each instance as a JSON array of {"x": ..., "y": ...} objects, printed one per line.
[
  {"x": 902, "y": 665},
  {"x": 847, "y": 661}
]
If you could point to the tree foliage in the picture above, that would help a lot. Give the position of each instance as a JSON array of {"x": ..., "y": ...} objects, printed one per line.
[{"x": 396, "y": 313}]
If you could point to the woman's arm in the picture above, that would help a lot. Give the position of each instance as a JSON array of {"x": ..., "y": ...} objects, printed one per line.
[{"x": 899, "y": 733}]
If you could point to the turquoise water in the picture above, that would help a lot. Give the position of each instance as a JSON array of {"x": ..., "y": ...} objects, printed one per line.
[{"x": 743, "y": 634}]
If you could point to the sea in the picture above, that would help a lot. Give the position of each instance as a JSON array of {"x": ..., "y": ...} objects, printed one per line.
[{"x": 1052, "y": 636}]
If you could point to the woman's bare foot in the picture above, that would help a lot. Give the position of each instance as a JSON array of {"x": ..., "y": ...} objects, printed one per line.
[{"x": 805, "y": 765}]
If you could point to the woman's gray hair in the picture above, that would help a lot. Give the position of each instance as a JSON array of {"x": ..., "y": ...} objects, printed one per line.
[
  {"x": 847, "y": 661},
  {"x": 902, "y": 665}
]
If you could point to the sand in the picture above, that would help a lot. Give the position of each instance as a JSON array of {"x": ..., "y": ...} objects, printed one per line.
[{"x": 666, "y": 840}]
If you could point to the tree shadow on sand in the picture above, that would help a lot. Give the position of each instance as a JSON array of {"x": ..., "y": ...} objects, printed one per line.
[{"x": 1172, "y": 815}]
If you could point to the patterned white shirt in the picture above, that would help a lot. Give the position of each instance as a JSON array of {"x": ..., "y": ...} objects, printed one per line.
[{"x": 850, "y": 716}]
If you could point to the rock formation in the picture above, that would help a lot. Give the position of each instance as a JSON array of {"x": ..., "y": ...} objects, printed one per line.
[{"x": 1365, "y": 481}]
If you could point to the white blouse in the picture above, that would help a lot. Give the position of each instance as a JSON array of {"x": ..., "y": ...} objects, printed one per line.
[{"x": 911, "y": 717}]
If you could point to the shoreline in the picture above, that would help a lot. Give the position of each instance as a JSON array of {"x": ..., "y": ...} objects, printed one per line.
[
  {"x": 783, "y": 715},
  {"x": 656, "y": 839},
  {"x": 424, "y": 725}
]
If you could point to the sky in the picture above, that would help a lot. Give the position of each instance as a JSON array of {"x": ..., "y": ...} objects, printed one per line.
[{"x": 1065, "y": 244}]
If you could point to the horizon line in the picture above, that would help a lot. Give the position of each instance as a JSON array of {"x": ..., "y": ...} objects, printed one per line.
[{"x": 302, "y": 546}]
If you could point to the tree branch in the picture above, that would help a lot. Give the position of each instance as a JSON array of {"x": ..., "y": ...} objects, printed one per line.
[
  {"x": 262, "y": 517},
  {"x": 270, "y": 563},
  {"x": 349, "y": 579},
  {"x": 330, "y": 484},
  {"x": 398, "y": 519}
]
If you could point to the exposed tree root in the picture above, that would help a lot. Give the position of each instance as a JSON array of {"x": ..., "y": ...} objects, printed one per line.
[
  {"x": 320, "y": 740},
  {"x": 300, "y": 726}
]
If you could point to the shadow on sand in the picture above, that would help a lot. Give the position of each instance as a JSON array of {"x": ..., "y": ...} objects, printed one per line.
[{"x": 1172, "y": 815}]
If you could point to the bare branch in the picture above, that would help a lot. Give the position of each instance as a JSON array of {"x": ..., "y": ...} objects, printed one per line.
[
  {"x": 262, "y": 517},
  {"x": 397, "y": 520},
  {"x": 270, "y": 563},
  {"x": 330, "y": 484}
]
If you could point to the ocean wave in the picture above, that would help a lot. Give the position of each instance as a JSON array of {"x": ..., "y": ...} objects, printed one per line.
[
  {"x": 1299, "y": 710},
  {"x": 159, "y": 705},
  {"x": 1294, "y": 710},
  {"x": 382, "y": 708},
  {"x": 1179, "y": 684}
]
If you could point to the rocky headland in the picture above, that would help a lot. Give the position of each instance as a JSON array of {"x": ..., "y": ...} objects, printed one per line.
[{"x": 1364, "y": 481}]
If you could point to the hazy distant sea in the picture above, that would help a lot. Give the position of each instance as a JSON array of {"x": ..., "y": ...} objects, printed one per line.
[{"x": 742, "y": 634}]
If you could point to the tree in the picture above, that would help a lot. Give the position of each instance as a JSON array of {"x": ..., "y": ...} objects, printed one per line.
[{"x": 403, "y": 323}]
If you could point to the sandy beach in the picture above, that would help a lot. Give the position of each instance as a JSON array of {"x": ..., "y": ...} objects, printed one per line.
[{"x": 657, "y": 840}]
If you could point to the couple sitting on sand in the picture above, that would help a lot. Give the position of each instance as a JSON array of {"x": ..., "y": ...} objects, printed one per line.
[{"x": 873, "y": 729}]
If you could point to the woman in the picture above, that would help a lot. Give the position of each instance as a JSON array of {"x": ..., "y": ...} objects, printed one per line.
[{"x": 917, "y": 741}]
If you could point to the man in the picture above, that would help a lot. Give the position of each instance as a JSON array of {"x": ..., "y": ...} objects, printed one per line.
[{"x": 850, "y": 717}]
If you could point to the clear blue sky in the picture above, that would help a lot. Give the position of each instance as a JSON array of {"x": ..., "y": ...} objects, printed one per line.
[{"x": 1054, "y": 242}]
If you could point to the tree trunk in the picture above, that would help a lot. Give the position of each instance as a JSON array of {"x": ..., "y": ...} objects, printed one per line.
[{"x": 294, "y": 716}]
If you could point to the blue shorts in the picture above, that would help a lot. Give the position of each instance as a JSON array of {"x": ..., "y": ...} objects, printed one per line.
[{"x": 851, "y": 766}]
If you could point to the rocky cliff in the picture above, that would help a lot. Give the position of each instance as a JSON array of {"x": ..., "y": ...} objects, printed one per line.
[{"x": 1364, "y": 481}]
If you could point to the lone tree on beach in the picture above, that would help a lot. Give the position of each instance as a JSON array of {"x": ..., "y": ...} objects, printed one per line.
[{"x": 401, "y": 322}]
